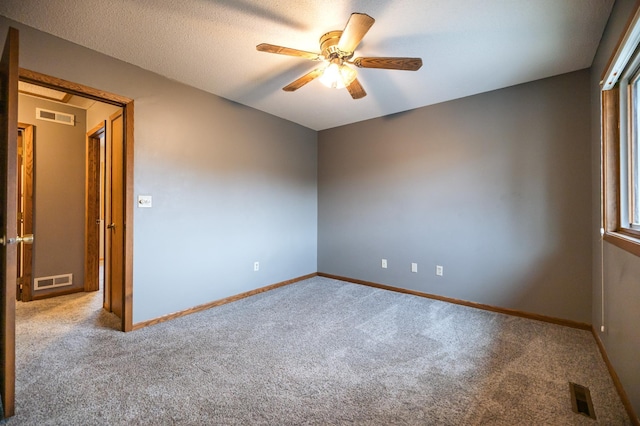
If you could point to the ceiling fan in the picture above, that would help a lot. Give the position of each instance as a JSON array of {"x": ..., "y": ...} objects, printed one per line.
[{"x": 337, "y": 48}]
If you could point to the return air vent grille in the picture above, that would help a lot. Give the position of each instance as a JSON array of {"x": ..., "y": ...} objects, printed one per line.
[
  {"x": 53, "y": 281},
  {"x": 55, "y": 116},
  {"x": 581, "y": 400}
]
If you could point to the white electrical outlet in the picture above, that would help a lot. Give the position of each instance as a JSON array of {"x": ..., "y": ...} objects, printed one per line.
[
  {"x": 439, "y": 270},
  {"x": 414, "y": 267},
  {"x": 256, "y": 266},
  {"x": 384, "y": 263}
]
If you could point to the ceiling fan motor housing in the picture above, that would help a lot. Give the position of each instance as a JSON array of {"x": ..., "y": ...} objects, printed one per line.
[{"x": 329, "y": 46}]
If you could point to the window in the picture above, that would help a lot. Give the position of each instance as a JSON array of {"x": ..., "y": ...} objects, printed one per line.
[
  {"x": 628, "y": 139},
  {"x": 621, "y": 142}
]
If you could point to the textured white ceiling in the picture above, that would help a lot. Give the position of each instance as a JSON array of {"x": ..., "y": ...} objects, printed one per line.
[{"x": 467, "y": 46}]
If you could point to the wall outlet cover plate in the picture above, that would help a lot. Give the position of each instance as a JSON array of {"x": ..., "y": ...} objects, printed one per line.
[{"x": 144, "y": 201}]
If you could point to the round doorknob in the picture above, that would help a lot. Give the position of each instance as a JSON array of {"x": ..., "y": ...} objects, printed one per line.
[{"x": 27, "y": 239}]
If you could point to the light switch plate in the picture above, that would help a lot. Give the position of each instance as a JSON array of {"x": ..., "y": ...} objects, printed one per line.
[{"x": 144, "y": 200}]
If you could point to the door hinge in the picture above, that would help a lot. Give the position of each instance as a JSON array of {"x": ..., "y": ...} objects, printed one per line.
[{"x": 19, "y": 282}]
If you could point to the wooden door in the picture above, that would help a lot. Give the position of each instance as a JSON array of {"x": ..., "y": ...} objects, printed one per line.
[
  {"x": 107, "y": 221},
  {"x": 8, "y": 191},
  {"x": 116, "y": 206}
]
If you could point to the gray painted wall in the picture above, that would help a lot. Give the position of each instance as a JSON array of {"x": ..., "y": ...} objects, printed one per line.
[
  {"x": 493, "y": 187},
  {"x": 59, "y": 181},
  {"x": 621, "y": 278},
  {"x": 231, "y": 185},
  {"x": 98, "y": 113}
]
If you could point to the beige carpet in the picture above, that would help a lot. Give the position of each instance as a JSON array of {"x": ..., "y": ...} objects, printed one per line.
[{"x": 316, "y": 352}]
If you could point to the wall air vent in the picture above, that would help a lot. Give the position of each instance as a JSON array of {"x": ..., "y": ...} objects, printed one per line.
[
  {"x": 55, "y": 116},
  {"x": 53, "y": 281}
]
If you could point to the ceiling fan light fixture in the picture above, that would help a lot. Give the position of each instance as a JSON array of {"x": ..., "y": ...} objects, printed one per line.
[{"x": 337, "y": 75}]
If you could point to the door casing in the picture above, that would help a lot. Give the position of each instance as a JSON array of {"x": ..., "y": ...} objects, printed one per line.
[{"x": 92, "y": 209}]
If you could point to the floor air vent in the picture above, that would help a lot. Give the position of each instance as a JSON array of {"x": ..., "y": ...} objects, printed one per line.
[
  {"x": 581, "y": 400},
  {"x": 53, "y": 281}
]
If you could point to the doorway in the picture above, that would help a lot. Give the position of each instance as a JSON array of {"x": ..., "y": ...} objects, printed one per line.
[
  {"x": 107, "y": 153},
  {"x": 69, "y": 181}
]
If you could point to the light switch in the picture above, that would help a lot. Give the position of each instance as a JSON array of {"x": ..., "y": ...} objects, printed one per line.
[{"x": 144, "y": 200}]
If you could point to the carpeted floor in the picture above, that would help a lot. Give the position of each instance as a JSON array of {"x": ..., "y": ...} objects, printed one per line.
[{"x": 317, "y": 352}]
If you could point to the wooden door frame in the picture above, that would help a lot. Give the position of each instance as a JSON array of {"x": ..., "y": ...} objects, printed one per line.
[
  {"x": 127, "y": 105},
  {"x": 92, "y": 208},
  {"x": 27, "y": 249}
]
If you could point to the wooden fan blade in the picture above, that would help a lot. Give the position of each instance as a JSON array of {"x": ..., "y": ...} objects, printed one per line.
[
  {"x": 356, "y": 90},
  {"x": 407, "y": 64},
  {"x": 354, "y": 31},
  {"x": 295, "y": 85},
  {"x": 280, "y": 50}
]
